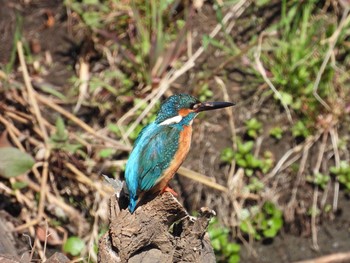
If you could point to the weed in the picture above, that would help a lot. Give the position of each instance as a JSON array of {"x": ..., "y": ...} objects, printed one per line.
[
  {"x": 60, "y": 140},
  {"x": 342, "y": 173},
  {"x": 254, "y": 127},
  {"x": 319, "y": 179},
  {"x": 106, "y": 153},
  {"x": 245, "y": 159},
  {"x": 17, "y": 36},
  {"x": 264, "y": 223},
  {"x": 255, "y": 185},
  {"x": 294, "y": 59},
  {"x": 299, "y": 130},
  {"x": 205, "y": 92},
  {"x": 276, "y": 133},
  {"x": 225, "y": 250},
  {"x": 74, "y": 246}
]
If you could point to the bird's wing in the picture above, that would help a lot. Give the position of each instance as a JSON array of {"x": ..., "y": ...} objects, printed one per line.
[{"x": 156, "y": 155}]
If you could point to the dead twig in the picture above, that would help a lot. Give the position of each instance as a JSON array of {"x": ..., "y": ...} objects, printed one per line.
[
  {"x": 34, "y": 104},
  {"x": 299, "y": 175},
  {"x": 333, "y": 258},
  {"x": 284, "y": 158},
  {"x": 334, "y": 138},
  {"x": 84, "y": 77},
  {"x": 313, "y": 219},
  {"x": 208, "y": 181}
]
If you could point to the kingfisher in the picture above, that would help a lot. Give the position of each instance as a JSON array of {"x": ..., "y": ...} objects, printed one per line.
[{"x": 162, "y": 146}]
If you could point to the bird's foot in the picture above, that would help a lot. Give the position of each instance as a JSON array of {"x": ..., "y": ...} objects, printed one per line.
[{"x": 168, "y": 189}]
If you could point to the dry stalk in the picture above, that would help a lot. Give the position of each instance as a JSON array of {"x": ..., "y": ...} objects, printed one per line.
[
  {"x": 315, "y": 195},
  {"x": 334, "y": 138},
  {"x": 195, "y": 176},
  {"x": 36, "y": 110},
  {"x": 332, "y": 258},
  {"x": 285, "y": 157},
  {"x": 300, "y": 173},
  {"x": 84, "y": 76},
  {"x": 313, "y": 219}
]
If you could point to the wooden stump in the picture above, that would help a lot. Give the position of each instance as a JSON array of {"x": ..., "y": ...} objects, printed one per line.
[{"x": 158, "y": 231}]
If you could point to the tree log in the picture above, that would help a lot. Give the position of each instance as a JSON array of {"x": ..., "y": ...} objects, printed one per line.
[{"x": 160, "y": 230}]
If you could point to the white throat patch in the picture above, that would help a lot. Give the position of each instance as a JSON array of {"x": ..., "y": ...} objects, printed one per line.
[{"x": 172, "y": 120}]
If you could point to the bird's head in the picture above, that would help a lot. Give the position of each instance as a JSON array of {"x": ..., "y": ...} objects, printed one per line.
[{"x": 183, "y": 108}]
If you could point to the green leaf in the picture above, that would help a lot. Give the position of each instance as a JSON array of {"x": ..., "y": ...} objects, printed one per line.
[
  {"x": 74, "y": 246},
  {"x": 60, "y": 135},
  {"x": 105, "y": 153},
  {"x": 52, "y": 91},
  {"x": 252, "y": 133},
  {"x": 276, "y": 132},
  {"x": 92, "y": 19},
  {"x": 216, "y": 244},
  {"x": 234, "y": 259},
  {"x": 247, "y": 227},
  {"x": 271, "y": 232},
  {"x": 227, "y": 155},
  {"x": 277, "y": 222},
  {"x": 249, "y": 172},
  {"x": 262, "y": 2},
  {"x": 14, "y": 162},
  {"x": 233, "y": 248},
  {"x": 19, "y": 185},
  {"x": 241, "y": 163},
  {"x": 286, "y": 98}
]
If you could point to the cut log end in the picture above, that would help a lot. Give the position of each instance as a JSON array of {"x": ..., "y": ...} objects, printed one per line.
[{"x": 158, "y": 231}]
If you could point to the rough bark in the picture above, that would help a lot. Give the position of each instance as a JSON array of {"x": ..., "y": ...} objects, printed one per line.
[{"x": 160, "y": 230}]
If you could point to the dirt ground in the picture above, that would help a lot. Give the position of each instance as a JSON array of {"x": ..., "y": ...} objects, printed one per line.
[{"x": 65, "y": 45}]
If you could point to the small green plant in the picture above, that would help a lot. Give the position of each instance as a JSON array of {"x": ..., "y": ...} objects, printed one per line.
[
  {"x": 276, "y": 132},
  {"x": 106, "y": 153},
  {"x": 264, "y": 223},
  {"x": 60, "y": 140},
  {"x": 245, "y": 159},
  {"x": 74, "y": 246},
  {"x": 225, "y": 251},
  {"x": 300, "y": 130},
  {"x": 300, "y": 48},
  {"x": 319, "y": 179},
  {"x": 254, "y": 127},
  {"x": 205, "y": 93},
  {"x": 227, "y": 155},
  {"x": 342, "y": 173},
  {"x": 255, "y": 185}
]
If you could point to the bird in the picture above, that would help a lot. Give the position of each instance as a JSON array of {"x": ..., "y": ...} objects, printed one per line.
[{"x": 161, "y": 147}]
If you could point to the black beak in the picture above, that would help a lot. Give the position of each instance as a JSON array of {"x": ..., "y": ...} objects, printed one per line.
[{"x": 205, "y": 106}]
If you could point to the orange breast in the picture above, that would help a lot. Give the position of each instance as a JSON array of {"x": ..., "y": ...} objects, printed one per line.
[{"x": 184, "y": 147}]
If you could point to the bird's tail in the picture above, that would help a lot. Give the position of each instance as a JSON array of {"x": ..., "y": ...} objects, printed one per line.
[{"x": 132, "y": 204}]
